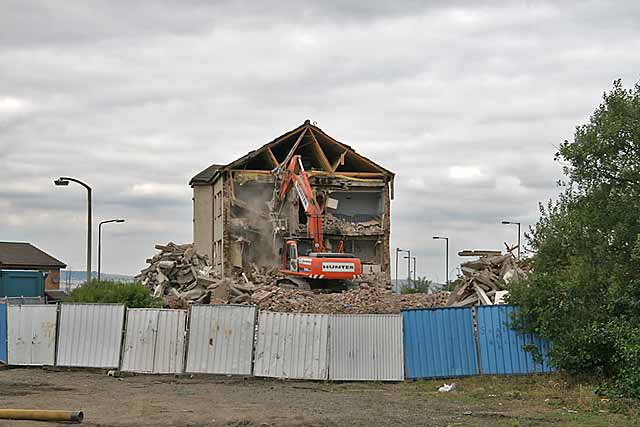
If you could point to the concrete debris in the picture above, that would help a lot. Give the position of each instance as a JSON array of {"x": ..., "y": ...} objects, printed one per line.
[
  {"x": 336, "y": 225},
  {"x": 182, "y": 277},
  {"x": 485, "y": 281},
  {"x": 178, "y": 274},
  {"x": 363, "y": 300}
]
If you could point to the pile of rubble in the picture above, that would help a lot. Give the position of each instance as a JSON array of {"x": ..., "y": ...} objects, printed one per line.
[
  {"x": 484, "y": 281},
  {"x": 364, "y": 299},
  {"x": 336, "y": 225},
  {"x": 178, "y": 273},
  {"x": 182, "y": 277}
]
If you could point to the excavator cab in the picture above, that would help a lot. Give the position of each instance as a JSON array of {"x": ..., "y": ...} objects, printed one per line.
[
  {"x": 291, "y": 255},
  {"x": 318, "y": 270}
]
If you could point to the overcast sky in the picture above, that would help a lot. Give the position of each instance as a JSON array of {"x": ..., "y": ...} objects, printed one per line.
[{"x": 465, "y": 102}]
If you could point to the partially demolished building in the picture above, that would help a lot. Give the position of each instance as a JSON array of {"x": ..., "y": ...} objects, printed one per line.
[{"x": 234, "y": 222}]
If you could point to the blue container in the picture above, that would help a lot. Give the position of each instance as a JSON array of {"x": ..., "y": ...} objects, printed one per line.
[
  {"x": 439, "y": 343},
  {"x": 21, "y": 283},
  {"x": 3, "y": 333},
  {"x": 501, "y": 348}
]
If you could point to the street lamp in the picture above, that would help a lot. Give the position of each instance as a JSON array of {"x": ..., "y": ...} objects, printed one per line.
[
  {"x": 398, "y": 250},
  {"x": 414, "y": 266},
  {"x": 64, "y": 181},
  {"x": 447, "y": 254},
  {"x": 100, "y": 240},
  {"x": 518, "y": 224}
]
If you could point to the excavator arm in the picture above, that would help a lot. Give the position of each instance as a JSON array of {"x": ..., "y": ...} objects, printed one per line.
[{"x": 296, "y": 177}]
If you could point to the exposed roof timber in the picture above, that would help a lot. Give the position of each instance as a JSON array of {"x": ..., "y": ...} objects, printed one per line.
[
  {"x": 339, "y": 161},
  {"x": 294, "y": 148},
  {"x": 272, "y": 157},
  {"x": 347, "y": 157},
  {"x": 321, "y": 155},
  {"x": 351, "y": 150}
]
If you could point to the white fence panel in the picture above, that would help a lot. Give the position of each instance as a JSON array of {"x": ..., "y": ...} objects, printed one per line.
[
  {"x": 31, "y": 334},
  {"x": 292, "y": 345},
  {"x": 90, "y": 335},
  {"x": 366, "y": 347},
  {"x": 221, "y": 339},
  {"x": 154, "y": 341}
]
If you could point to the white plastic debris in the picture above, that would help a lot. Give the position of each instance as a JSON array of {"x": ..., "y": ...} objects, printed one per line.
[{"x": 447, "y": 387}]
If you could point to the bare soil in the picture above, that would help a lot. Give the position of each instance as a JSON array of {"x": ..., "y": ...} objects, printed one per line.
[{"x": 246, "y": 402}]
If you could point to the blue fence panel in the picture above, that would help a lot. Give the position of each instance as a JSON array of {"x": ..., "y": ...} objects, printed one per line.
[
  {"x": 501, "y": 348},
  {"x": 3, "y": 333},
  {"x": 21, "y": 283},
  {"x": 439, "y": 343}
]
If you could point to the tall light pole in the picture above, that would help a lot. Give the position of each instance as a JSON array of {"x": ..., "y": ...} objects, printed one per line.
[
  {"x": 398, "y": 250},
  {"x": 64, "y": 181},
  {"x": 446, "y": 239},
  {"x": 414, "y": 266},
  {"x": 518, "y": 224},
  {"x": 100, "y": 240}
]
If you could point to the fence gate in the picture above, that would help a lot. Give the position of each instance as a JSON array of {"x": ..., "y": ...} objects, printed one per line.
[
  {"x": 221, "y": 339},
  {"x": 366, "y": 347},
  {"x": 3, "y": 333},
  {"x": 154, "y": 341},
  {"x": 292, "y": 345},
  {"x": 31, "y": 334},
  {"x": 439, "y": 342},
  {"x": 503, "y": 350},
  {"x": 90, "y": 335}
]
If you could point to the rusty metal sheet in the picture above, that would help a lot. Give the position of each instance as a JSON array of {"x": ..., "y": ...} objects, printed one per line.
[
  {"x": 221, "y": 339},
  {"x": 31, "y": 334},
  {"x": 292, "y": 345},
  {"x": 154, "y": 341},
  {"x": 366, "y": 347},
  {"x": 90, "y": 335}
]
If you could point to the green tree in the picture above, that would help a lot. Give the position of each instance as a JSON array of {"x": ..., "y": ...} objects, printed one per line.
[
  {"x": 584, "y": 290},
  {"x": 133, "y": 295},
  {"x": 421, "y": 285}
]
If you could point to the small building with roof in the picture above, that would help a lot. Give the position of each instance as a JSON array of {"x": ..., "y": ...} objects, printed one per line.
[{"x": 27, "y": 271}]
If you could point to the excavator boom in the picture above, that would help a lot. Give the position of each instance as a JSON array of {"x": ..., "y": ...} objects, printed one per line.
[{"x": 318, "y": 267}]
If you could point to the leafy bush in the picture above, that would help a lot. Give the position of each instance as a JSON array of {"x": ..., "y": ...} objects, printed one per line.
[
  {"x": 420, "y": 286},
  {"x": 584, "y": 290},
  {"x": 132, "y": 294}
]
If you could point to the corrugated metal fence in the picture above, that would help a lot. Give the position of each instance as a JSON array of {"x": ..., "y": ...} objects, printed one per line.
[
  {"x": 31, "y": 334},
  {"x": 221, "y": 339},
  {"x": 366, "y": 347},
  {"x": 154, "y": 341},
  {"x": 3, "y": 333},
  {"x": 90, "y": 335},
  {"x": 503, "y": 350},
  {"x": 439, "y": 343},
  {"x": 292, "y": 345},
  {"x": 429, "y": 343}
]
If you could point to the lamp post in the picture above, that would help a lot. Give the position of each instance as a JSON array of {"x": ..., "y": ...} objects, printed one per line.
[
  {"x": 398, "y": 250},
  {"x": 100, "y": 240},
  {"x": 518, "y": 224},
  {"x": 414, "y": 269},
  {"x": 409, "y": 258},
  {"x": 64, "y": 181},
  {"x": 446, "y": 239}
]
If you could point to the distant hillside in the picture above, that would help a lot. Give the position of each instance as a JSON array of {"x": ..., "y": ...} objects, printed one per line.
[{"x": 70, "y": 279}]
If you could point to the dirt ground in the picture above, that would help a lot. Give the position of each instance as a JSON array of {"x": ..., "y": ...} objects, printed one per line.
[{"x": 247, "y": 402}]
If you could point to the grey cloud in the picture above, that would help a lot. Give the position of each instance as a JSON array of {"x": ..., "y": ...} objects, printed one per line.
[{"x": 127, "y": 94}]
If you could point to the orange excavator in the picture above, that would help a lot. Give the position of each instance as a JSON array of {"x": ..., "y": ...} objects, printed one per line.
[{"x": 319, "y": 269}]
